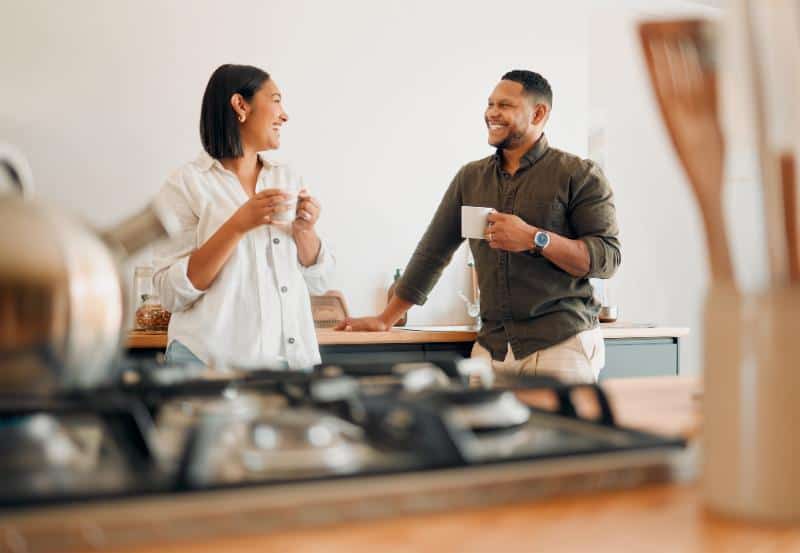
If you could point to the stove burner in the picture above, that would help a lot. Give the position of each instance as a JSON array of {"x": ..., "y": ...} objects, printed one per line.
[{"x": 183, "y": 430}]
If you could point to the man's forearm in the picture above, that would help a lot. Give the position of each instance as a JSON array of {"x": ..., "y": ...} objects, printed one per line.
[
  {"x": 571, "y": 256},
  {"x": 395, "y": 309},
  {"x": 308, "y": 246}
]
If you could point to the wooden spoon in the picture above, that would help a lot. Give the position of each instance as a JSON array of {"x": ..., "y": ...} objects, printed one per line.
[
  {"x": 774, "y": 170},
  {"x": 771, "y": 35},
  {"x": 681, "y": 63},
  {"x": 788, "y": 170}
]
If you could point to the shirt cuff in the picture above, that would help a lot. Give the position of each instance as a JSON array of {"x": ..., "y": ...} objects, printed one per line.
[
  {"x": 323, "y": 262},
  {"x": 180, "y": 283},
  {"x": 597, "y": 256},
  {"x": 415, "y": 296}
]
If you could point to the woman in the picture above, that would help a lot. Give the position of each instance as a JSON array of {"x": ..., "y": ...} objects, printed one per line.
[{"x": 237, "y": 281}]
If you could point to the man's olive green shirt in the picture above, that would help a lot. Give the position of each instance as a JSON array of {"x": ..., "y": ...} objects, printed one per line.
[{"x": 526, "y": 300}]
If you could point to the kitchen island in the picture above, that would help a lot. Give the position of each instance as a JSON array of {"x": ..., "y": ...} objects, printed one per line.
[{"x": 632, "y": 350}]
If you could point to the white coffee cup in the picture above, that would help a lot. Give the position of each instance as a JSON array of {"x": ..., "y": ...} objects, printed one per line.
[
  {"x": 290, "y": 184},
  {"x": 290, "y": 212},
  {"x": 474, "y": 221}
]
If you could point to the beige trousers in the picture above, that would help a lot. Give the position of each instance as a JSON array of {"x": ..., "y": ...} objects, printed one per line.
[{"x": 576, "y": 359}]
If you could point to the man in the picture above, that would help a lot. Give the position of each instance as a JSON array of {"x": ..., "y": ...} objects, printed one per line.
[{"x": 554, "y": 228}]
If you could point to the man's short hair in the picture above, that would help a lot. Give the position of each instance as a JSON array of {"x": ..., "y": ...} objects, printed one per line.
[
  {"x": 532, "y": 83},
  {"x": 219, "y": 127}
]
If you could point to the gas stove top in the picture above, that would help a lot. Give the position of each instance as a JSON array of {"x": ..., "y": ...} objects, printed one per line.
[{"x": 176, "y": 432}]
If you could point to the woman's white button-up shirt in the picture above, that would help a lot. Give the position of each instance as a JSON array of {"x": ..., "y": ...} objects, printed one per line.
[{"x": 257, "y": 312}]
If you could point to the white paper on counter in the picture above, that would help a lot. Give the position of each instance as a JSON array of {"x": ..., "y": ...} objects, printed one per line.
[{"x": 444, "y": 328}]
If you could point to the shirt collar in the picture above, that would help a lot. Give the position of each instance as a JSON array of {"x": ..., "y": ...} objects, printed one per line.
[
  {"x": 205, "y": 162},
  {"x": 530, "y": 157}
]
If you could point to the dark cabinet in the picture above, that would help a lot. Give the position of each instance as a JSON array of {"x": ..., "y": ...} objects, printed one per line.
[
  {"x": 625, "y": 357},
  {"x": 393, "y": 353}
]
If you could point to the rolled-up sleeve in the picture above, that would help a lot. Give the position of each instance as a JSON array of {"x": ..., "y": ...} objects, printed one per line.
[
  {"x": 318, "y": 275},
  {"x": 435, "y": 249},
  {"x": 171, "y": 257},
  {"x": 593, "y": 217}
]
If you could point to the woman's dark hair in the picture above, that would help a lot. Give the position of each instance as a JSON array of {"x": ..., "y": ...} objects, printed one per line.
[{"x": 219, "y": 127}]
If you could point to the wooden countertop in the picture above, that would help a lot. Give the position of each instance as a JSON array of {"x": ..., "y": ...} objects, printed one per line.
[
  {"x": 327, "y": 337},
  {"x": 666, "y": 518}
]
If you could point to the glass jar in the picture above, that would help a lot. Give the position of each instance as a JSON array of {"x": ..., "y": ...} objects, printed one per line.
[
  {"x": 142, "y": 285},
  {"x": 151, "y": 315}
]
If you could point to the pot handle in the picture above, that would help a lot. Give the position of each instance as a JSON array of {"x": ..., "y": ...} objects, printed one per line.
[
  {"x": 154, "y": 222},
  {"x": 15, "y": 169}
]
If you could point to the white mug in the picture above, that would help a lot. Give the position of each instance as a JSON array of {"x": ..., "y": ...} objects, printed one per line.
[
  {"x": 474, "y": 221},
  {"x": 290, "y": 183}
]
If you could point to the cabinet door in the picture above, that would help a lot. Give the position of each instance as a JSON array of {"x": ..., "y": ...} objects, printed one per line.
[
  {"x": 447, "y": 351},
  {"x": 377, "y": 353},
  {"x": 635, "y": 357}
]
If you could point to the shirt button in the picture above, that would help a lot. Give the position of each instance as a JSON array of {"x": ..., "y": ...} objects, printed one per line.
[
  {"x": 284, "y": 289},
  {"x": 291, "y": 340},
  {"x": 276, "y": 240}
]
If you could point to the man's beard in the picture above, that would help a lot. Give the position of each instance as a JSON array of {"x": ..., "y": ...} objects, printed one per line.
[{"x": 511, "y": 141}]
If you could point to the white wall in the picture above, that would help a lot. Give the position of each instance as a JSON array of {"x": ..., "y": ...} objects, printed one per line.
[
  {"x": 385, "y": 100},
  {"x": 664, "y": 272}
]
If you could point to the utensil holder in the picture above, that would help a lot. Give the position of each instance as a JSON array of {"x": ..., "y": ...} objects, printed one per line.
[{"x": 751, "y": 449}]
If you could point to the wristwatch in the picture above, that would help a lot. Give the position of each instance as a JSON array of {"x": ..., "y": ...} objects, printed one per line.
[{"x": 540, "y": 241}]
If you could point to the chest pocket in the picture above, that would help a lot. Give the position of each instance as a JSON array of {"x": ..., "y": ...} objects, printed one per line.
[{"x": 548, "y": 215}]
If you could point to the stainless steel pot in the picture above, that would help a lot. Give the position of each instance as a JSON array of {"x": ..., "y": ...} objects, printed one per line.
[
  {"x": 282, "y": 444},
  {"x": 62, "y": 302},
  {"x": 177, "y": 418}
]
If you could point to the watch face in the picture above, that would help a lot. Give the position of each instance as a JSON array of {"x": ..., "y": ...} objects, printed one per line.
[{"x": 542, "y": 239}]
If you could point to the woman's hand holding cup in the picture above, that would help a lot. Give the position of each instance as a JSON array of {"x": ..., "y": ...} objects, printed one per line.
[
  {"x": 308, "y": 211},
  {"x": 261, "y": 209}
]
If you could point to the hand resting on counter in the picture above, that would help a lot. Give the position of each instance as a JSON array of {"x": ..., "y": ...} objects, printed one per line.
[{"x": 382, "y": 323}]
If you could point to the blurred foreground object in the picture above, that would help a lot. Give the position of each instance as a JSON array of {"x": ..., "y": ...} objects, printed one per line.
[
  {"x": 750, "y": 448},
  {"x": 61, "y": 298}
]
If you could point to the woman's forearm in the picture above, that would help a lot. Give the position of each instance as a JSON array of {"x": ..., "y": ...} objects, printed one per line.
[
  {"x": 308, "y": 246},
  {"x": 206, "y": 262}
]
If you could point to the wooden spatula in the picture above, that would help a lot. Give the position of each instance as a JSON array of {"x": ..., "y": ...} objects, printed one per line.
[{"x": 681, "y": 62}]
